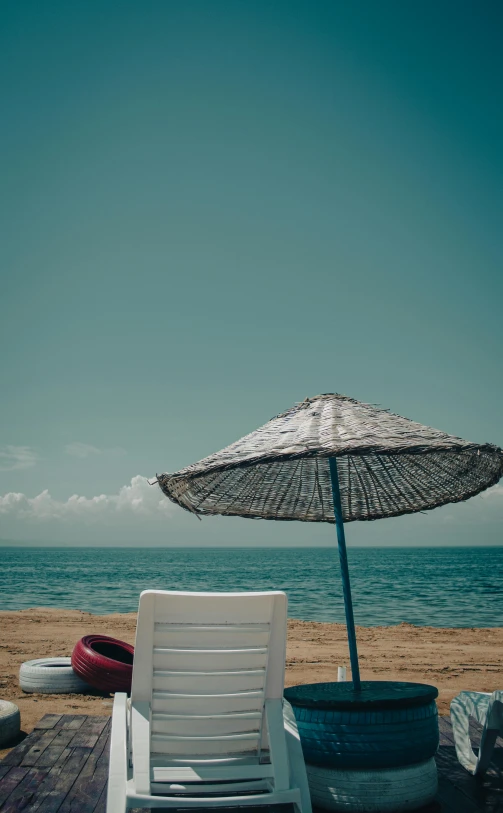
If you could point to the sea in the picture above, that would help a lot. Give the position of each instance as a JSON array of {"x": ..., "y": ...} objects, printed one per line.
[{"x": 439, "y": 587}]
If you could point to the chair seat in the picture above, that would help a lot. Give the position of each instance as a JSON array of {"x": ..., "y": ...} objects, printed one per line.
[{"x": 212, "y": 773}]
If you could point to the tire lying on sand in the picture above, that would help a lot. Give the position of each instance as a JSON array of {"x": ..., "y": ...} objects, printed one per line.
[
  {"x": 10, "y": 722},
  {"x": 386, "y": 790},
  {"x": 51, "y": 676},
  {"x": 103, "y": 662}
]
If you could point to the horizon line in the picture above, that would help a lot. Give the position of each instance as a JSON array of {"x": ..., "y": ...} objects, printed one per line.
[{"x": 78, "y": 545}]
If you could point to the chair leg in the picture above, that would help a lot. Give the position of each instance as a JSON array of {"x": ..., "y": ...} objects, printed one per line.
[{"x": 487, "y": 743}]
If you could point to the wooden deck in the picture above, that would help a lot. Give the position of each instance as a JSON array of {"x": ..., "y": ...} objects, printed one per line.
[{"x": 62, "y": 767}]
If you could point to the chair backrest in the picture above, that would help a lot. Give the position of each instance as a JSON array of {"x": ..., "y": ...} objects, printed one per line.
[{"x": 206, "y": 663}]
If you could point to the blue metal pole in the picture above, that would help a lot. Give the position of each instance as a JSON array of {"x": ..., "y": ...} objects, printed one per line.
[{"x": 346, "y": 587}]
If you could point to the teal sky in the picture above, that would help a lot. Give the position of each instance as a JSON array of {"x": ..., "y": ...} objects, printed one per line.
[{"x": 211, "y": 210}]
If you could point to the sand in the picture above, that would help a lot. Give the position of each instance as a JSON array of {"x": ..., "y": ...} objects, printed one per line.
[{"x": 450, "y": 659}]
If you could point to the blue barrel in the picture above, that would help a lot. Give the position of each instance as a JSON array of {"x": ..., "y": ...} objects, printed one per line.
[{"x": 388, "y": 724}]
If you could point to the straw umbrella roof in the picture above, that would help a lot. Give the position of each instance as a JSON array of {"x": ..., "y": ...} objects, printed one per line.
[{"x": 387, "y": 466}]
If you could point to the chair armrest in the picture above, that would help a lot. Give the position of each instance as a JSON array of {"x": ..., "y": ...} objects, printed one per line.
[
  {"x": 117, "y": 772},
  {"x": 298, "y": 775},
  {"x": 277, "y": 743},
  {"x": 140, "y": 739}
]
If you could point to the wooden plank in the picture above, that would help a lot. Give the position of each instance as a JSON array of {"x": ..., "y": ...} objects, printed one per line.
[
  {"x": 483, "y": 792},
  {"x": 52, "y": 755},
  {"x": 10, "y": 781},
  {"x": 445, "y": 730},
  {"x": 71, "y": 781},
  {"x": 452, "y": 799},
  {"x": 16, "y": 755},
  {"x": 60, "y": 739},
  {"x": 64, "y": 736},
  {"x": 48, "y": 721},
  {"x": 89, "y": 732},
  {"x": 88, "y": 787},
  {"x": 71, "y": 721},
  {"x": 101, "y": 806},
  {"x": 24, "y": 791},
  {"x": 43, "y": 740},
  {"x": 432, "y": 807},
  {"x": 102, "y": 744},
  {"x": 92, "y": 781},
  {"x": 45, "y": 754},
  {"x": 58, "y": 782}
]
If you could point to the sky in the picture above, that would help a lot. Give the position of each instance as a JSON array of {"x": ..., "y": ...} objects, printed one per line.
[{"x": 211, "y": 210}]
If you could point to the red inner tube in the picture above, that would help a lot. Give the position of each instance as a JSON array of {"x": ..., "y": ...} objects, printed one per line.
[{"x": 104, "y": 663}]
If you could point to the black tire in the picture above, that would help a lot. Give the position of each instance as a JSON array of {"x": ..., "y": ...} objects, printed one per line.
[{"x": 390, "y": 738}]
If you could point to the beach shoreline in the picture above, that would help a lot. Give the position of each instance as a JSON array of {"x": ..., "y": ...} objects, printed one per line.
[{"x": 452, "y": 658}]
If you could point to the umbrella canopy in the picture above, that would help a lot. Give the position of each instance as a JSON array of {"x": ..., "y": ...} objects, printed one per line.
[
  {"x": 387, "y": 466},
  {"x": 334, "y": 459}
]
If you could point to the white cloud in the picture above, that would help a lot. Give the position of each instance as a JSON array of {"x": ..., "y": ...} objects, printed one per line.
[
  {"x": 17, "y": 457},
  {"x": 82, "y": 450},
  {"x": 137, "y": 499}
]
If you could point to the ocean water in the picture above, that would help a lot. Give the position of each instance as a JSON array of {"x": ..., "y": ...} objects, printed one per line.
[{"x": 441, "y": 587}]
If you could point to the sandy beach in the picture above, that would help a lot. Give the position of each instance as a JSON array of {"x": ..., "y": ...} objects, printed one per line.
[{"x": 451, "y": 659}]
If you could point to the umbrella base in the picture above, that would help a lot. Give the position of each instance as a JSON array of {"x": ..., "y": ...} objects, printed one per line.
[
  {"x": 354, "y": 742},
  {"x": 387, "y": 724}
]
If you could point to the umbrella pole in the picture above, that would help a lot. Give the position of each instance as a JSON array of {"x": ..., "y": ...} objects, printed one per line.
[{"x": 346, "y": 587}]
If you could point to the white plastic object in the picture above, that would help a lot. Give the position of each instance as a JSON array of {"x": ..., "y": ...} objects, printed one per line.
[
  {"x": 487, "y": 709},
  {"x": 384, "y": 790},
  {"x": 51, "y": 676},
  {"x": 341, "y": 674},
  {"x": 206, "y": 725},
  {"x": 10, "y": 722}
]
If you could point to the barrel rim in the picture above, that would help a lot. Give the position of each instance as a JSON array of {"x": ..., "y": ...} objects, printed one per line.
[{"x": 374, "y": 695}]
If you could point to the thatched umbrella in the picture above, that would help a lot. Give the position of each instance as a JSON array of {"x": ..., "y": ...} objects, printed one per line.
[{"x": 334, "y": 459}]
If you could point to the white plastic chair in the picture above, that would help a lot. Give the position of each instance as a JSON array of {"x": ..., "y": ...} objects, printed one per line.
[
  {"x": 205, "y": 725},
  {"x": 487, "y": 709}
]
